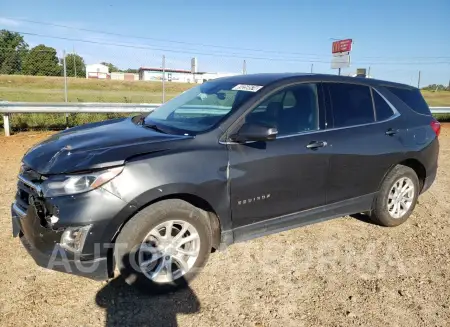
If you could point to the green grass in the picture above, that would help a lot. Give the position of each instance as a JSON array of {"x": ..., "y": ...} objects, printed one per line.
[
  {"x": 437, "y": 99},
  {"x": 51, "y": 89}
]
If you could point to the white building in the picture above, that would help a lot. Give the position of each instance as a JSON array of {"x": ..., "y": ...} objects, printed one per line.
[
  {"x": 178, "y": 75},
  {"x": 97, "y": 71},
  {"x": 119, "y": 76},
  {"x": 171, "y": 75}
]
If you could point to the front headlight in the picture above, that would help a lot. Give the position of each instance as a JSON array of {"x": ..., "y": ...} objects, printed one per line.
[{"x": 73, "y": 184}]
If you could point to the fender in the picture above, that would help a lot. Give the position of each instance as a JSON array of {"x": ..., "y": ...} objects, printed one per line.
[{"x": 220, "y": 208}]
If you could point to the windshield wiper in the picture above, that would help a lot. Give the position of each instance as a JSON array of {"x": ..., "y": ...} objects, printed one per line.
[{"x": 154, "y": 127}]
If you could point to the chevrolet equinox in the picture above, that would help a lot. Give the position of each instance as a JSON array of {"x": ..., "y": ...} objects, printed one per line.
[{"x": 232, "y": 159}]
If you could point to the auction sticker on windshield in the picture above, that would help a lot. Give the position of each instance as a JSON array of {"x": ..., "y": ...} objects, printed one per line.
[{"x": 246, "y": 87}]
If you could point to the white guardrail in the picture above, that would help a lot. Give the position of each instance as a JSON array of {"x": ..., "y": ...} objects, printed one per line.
[{"x": 7, "y": 108}]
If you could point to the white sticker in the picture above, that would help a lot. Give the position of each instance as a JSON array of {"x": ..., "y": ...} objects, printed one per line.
[
  {"x": 246, "y": 87},
  {"x": 202, "y": 96}
]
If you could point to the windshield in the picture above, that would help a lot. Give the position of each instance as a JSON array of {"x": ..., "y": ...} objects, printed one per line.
[{"x": 201, "y": 108}]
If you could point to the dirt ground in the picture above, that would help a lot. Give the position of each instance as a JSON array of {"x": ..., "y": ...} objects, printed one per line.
[{"x": 345, "y": 272}]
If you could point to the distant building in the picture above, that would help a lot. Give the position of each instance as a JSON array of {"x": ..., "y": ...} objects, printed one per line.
[
  {"x": 100, "y": 71},
  {"x": 171, "y": 75},
  {"x": 178, "y": 75},
  {"x": 118, "y": 76},
  {"x": 97, "y": 71}
]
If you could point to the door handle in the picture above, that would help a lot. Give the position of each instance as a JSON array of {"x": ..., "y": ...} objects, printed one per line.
[
  {"x": 314, "y": 145},
  {"x": 391, "y": 132}
]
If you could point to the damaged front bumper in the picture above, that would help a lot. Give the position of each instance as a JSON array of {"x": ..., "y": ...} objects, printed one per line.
[
  {"x": 43, "y": 246},
  {"x": 42, "y": 225}
]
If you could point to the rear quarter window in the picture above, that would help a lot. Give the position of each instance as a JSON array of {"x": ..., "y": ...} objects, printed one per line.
[
  {"x": 412, "y": 98},
  {"x": 383, "y": 110}
]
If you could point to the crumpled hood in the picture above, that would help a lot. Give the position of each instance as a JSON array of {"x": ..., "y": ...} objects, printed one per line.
[{"x": 97, "y": 145}]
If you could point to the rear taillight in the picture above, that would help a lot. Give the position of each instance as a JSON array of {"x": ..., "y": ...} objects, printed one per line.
[{"x": 436, "y": 126}]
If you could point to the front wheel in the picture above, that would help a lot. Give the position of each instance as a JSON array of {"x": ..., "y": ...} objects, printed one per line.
[
  {"x": 163, "y": 246},
  {"x": 397, "y": 197}
]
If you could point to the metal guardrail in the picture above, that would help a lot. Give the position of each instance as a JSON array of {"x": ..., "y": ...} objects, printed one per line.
[
  {"x": 7, "y": 108},
  {"x": 440, "y": 110}
]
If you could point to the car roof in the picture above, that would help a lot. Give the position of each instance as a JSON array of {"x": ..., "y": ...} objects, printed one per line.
[{"x": 269, "y": 78}]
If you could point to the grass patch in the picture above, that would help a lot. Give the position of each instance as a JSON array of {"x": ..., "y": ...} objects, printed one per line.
[
  {"x": 51, "y": 89},
  {"x": 445, "y": 118},
  {"x": 41, "y": 121},
  {"x": 437, "y": 99}
]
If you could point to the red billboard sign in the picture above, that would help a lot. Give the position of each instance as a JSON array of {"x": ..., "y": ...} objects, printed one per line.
[{"x": 342, "y": 46}]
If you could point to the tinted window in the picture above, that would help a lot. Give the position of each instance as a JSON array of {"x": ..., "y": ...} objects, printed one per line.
[
  {"x": 351, "y": 104},
  {"x": 292, "y": 110},
  {"x": 384, "y": 111},
  {"x": 413, "y": 98}
]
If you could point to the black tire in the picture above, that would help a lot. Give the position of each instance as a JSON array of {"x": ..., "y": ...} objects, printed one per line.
[
  {"x": 135, "y": 230},
  {"x": 380, "y": 214}
]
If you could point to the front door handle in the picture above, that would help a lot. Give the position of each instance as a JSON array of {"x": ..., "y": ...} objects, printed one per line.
[
  {"x": 314, "y": 145},
  {"x": 391, "y": 132}
]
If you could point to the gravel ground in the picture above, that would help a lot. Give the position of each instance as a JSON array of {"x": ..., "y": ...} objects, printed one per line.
[{"x": 345, "y": 272}]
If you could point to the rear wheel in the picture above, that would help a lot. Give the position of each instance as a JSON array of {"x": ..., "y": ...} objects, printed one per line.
[
  {"x": 397, "y": 197},
  {"x": 163, "y": 246}
]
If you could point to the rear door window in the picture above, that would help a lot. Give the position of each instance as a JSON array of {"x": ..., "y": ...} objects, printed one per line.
[
  {"x": 351, "y": 104},
  {"x": 384, "y": 111},
  {"x": 412, "y": 98}
]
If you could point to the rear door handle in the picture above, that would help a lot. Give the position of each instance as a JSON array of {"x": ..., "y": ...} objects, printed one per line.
[
  {"x": 391, "y": 132},
  {"x": 316, "y": 144}
]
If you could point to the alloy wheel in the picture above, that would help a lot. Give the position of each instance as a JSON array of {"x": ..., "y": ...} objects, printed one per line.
[
  {"x": 169, "y": 251},
  {"x": 401, "y": 197}
]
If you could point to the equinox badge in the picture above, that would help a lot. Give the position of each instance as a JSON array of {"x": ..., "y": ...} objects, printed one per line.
[{"x": 255, "y": 199}]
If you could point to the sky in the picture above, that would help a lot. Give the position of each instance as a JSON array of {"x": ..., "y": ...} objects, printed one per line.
[{"x": 396, "y": 38}]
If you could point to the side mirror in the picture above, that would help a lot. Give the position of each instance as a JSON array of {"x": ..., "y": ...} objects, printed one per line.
[{"x": 255, "y": 132}]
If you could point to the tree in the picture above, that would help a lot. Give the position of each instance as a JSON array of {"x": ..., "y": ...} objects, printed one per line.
[
  {"x": 75, "y": 65},
  {"x": 111, "y": 67},
  {"x": 13, "y": 49},
  {"x": 41, "y": 61},
  {"x": 131, "y": 70},
  {"x": 435, "y": 87}
]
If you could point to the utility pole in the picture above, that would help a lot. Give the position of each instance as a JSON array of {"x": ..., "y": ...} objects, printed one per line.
[
  {"x": 163, "y": 78},
  {"x": 418, "y": 81},
  {"x": 65, "y": 85},
  {"x": 244, "y": 68},
  {"x": 74, "y": 63},
  {"x": 339, "y": 72},
  {"x": 368, "y": 73},
  {"x": 312, "y": 68}
]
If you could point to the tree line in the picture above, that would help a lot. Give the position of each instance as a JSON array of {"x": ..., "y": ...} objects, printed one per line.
[
  {"x": 17, "y": 58},
  {"x": 437, "y": 87}
]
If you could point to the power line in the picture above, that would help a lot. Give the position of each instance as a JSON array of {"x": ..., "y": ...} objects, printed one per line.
[
  {"x": 212, "y": 45},
  {"x": 231, "y": 55},
  {"x": 163, "y": 40}
]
